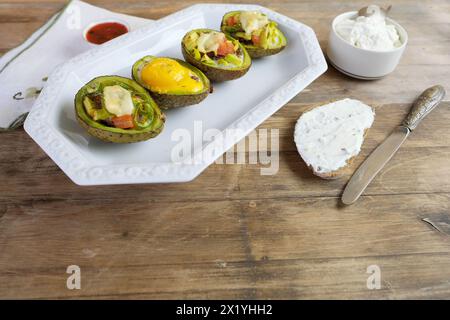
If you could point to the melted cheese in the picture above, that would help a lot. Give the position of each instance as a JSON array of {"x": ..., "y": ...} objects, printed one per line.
[
  {"x": 329, "y": 135},
  {"x": 164, "y": 75},
  {"x": 209, "y": 42},
  {"x": 118, "y": 100},
  {"x": 252, "y": 21}
]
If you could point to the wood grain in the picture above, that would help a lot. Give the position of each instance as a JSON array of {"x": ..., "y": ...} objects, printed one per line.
[{"x": 234, "y": 233}]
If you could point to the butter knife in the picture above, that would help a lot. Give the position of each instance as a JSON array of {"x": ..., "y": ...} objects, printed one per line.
[{"x": 424, "y": 104}]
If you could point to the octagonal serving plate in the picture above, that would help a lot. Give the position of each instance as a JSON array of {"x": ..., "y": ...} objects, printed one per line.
[{"x": 237, "y": 106}]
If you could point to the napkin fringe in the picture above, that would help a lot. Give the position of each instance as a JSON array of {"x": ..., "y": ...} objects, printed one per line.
[{"x": 16, "y": 123}]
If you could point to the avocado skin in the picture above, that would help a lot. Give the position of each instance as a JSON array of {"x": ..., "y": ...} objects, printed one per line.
[
  {"x": 255, "y": 53},
  {"x": 166, "y": 101},
  {"x": 105, "y": 133},
  {"x": 214, "y": 74},
  {"x": 170, "y": 101},
  {"x": 115, "y": 137}
]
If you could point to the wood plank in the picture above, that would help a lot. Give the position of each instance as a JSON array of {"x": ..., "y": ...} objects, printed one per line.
[
  {"x": 411, "y": 171},
  {"x": 282, "y": 248},
  {"x": 147, "y": 228},
  {"x": 416, "y": 276},
  {"x": 347, "y": 278},
  {"x": 418, "y": 167},
  {"x": 322, "y": 228},
  {"x": 402, "y": 86}
]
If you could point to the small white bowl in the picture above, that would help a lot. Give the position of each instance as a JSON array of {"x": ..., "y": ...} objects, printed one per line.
[{"x": 362, "y": 63}]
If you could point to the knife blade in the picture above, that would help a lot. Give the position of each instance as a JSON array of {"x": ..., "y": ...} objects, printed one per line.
[{"x": 424, "y": 104}]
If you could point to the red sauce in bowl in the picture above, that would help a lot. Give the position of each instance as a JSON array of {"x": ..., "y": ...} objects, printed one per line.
[{"x": 103, "y": 32}]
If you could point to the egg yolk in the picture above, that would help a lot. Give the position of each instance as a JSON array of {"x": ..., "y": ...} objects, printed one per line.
[{"x": 165, "y": 75}]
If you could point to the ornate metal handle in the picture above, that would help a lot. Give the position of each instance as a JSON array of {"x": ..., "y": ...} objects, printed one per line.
[{"x": 424, "y": 104}]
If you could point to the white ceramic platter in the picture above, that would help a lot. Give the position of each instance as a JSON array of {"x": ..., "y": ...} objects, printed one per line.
[{"x": 239, "y": 105}]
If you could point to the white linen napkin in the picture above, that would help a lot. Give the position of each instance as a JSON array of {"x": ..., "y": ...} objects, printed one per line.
[{"x": 23, "y": 70}]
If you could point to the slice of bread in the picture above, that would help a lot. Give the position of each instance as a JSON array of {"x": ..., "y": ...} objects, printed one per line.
[{"x": 329, "y": 136}]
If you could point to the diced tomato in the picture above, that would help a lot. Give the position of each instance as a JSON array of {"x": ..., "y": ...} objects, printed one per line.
[
  {"x": 123, "y": 122},
  {"x": 255, "y": 39},
  {"x": 231, "y": 21},
  {"x": 225, "y": 48}
]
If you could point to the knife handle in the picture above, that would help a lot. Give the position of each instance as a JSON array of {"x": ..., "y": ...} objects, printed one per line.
[{"x": 424, "y": 104}]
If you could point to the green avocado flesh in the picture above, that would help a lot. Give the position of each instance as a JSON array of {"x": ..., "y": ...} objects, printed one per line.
[
  {"x": 92, "y": 114},
  {"x": 270, "y": 38},
  {"x": 216, "y": 67},
  {"x": 175, "y": 98}
]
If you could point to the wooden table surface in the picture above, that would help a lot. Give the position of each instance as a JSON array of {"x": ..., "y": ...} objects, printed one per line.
[{"x": 233, "y": 233}]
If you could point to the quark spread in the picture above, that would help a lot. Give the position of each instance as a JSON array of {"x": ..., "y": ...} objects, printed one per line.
[
  {"x": 371, "y": 33},
  {"x": 329, "y": 135}
]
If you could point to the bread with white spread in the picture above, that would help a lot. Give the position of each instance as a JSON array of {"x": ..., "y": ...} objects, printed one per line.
[{"x": 329, "y": 136}]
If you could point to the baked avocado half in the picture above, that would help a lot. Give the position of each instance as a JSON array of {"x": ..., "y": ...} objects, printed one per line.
[
  {"x": 259, "y": 35},
  {"x": 117, "y": 109},
  {"x": 219, "y": 56},
  {"x": 172, "y": 82}
]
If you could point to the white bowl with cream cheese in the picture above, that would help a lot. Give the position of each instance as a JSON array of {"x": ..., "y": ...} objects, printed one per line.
[{"x": 365, "y": 48}]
